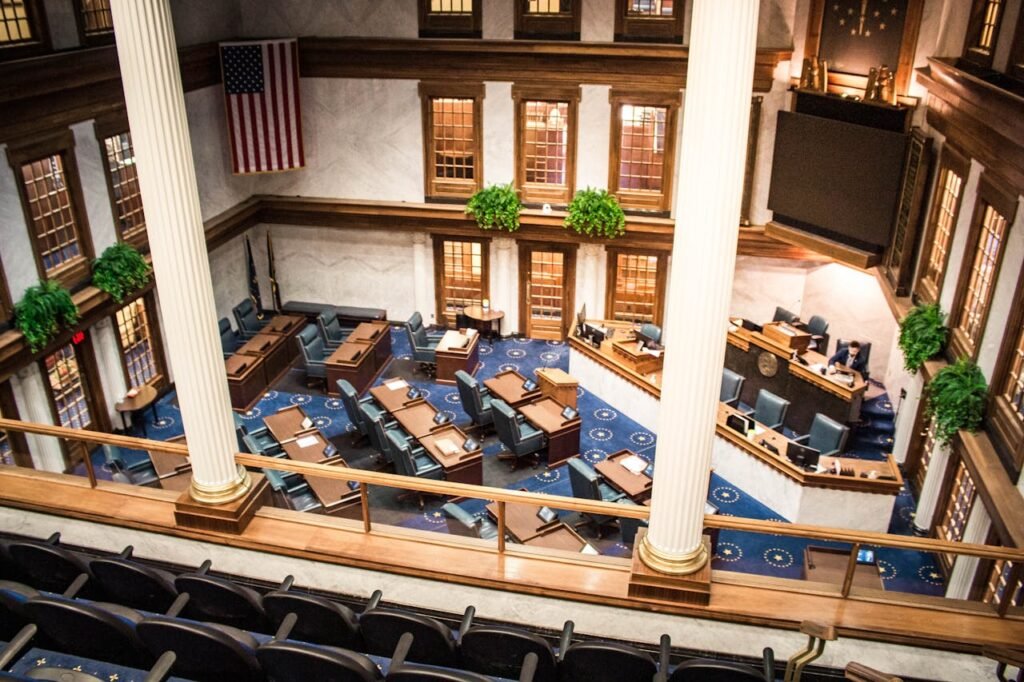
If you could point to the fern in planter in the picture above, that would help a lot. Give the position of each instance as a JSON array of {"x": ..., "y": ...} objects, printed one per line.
[
  {"x": 42, "y": 311},
  {"x": 923, "y": 334},
  {"x": 120, "y": 270},
  {"x": 956, "y": 399},
  {"x": 596, "y": 213},
  {"x": 495, "y": 208}
]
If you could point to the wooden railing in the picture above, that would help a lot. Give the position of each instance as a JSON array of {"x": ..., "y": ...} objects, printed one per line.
[{"x": 856, "y": 539}]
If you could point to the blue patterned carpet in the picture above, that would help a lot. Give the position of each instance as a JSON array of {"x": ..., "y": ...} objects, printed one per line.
[{"x": 607, "y": 429}]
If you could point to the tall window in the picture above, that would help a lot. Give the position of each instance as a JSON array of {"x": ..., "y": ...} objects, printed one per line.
[
  {"x": 945, "y": 209},
  {"x": 643, "y": 149},
  {"x": 992, "y": 216},
  {"x": 95, "y": 22},
  {"x": 68, "y": 388},
  {"x": 450, "y": 18},
  {"x": 983, "y": 31},
  {"x": 452, "y": 135},
  {"x": 139, "y": 351},
  {"x": 1004, "y": 585},
  {"x": 1015, "y": 67},
  {"x": 1005, "y": 414},
  {"x": 546, "y": 143},
  {"x": 462, "y": 275},
  {"x": 649, "y": 20},
  {"x": 927, "y": 450},
  {"x": 124, "y": 188},
  {"x": 957, "y": 510},
  {"x": 52, "y": 199},
  {"x": 636, "y": 286},
  {"x": 548, "y": 19},
  {"x": 22, "y": 28}
]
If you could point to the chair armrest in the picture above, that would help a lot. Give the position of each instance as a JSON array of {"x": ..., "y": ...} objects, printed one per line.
[
  {"x": 374, "y": 601},
  {"x": 768, "y": 656},
  {"x": 366, "y": 400},
  {"x": 664, "y": 647},
  {"x": 747, "y": 411},
  {"x": 831, "y": 453},
  {"x": 467, "y": 621},
  {"x": 733, "y": 402},
  {"x": 803, "y": 439},
  {"x": 14, "y": 648},
  {"x": 565, "y": 639}
]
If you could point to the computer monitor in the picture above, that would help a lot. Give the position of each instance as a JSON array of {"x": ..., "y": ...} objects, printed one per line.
[
  {"x": 595, "y": 335},
  {"x": 738, "y": 423},
  {"x": 801, "y": 455}
]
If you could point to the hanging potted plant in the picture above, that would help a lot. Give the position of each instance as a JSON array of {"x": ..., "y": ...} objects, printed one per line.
[
  {"x": 42, "y": 311},
  {"x": 956, "y": 399},
  {"x": 120, "y": 270},
  {"x": 496, "y": 208},
  {"x": 596, "y": 213},
  {"x": 923, "y": 335}
]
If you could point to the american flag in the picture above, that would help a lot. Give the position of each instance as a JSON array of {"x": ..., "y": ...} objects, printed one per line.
[{"x": 261, "y": 86}]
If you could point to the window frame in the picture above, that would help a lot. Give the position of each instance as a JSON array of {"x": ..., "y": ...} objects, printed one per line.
[
  {"x": 159, "y": 381},
  {"x": 948, "y": 498},
  {"x": 96, "y": 38},
  {"x": 438, "y": 25},
  {"x": 1015, "y": 65},
  {"x": 1005, "y": 428},
  {"x": 990, "y": 193},
  {"x": 656, "y": 29},
  {"x": 439, "y": 270},
  {"x": 85, "y": 358},
  {"x": 61, "y": 144},
  {"x": 451, "y": 188},
  {"x": 40, "y": 30},
  {"x": 109, "y": 126},
  {"x": 633, "y": 199},
  {"x": 660, "y": 279},
  {"x": 973, "y": 52},
  {"x": 560, "y": 26},
  {"x": 536, "y": 193},
  {"x": 952, "y": 160},
  {"x": 18, "y": 442}
]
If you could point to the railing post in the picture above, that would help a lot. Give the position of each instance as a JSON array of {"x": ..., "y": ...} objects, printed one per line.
[
  {"x": 88, "y": 467},
  {"x": 501, "y": 527},
  {"x": 365, "y": 500},
  {"x": 851, "y": 566}
]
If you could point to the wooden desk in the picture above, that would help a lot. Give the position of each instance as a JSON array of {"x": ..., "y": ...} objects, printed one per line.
[
  {"x": 335, "y": 495},
  {"x": 273, "y": 348},
  {"x": 308, "y": 447},
  {"x": 559, "y": 536},
  {"x": 563, "y": 436},
  {"x": 452, "y": 354},
  {"x": 459, "y": 466},
  {"x": 178, "y": 481},
  {"x": 828, "y": 565},
  {"x": 558, "y": 384},
  {"x": 144, "y": 398},
  {"x": 521, "y": 520},
  {"x": 641, "y": 361},
  {"x": 289, "y": 327},
  {"x": 787, "y": 336},
  {"x": 377, "y": 335},
  {"x": 485, "y": 320},
  {"x": 353, "y": 361},
  {"x": 508, "y": 386},
  {"x": 392, "y": 399},
  {"x": 247, "y": 380},
  {"x": 284, "y": 425},
  {"x": 417, "y": 418},
  {"x": 637, "y": 487}
]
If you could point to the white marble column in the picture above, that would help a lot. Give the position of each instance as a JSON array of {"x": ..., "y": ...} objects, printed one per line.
[
  {"x": 710, "y": 179},
  {"x": 30, "y": 394},
  {"x": 155, "y": 102},
  {"x": 928, "y": 499},
  {"x": 965, "y": 568}
]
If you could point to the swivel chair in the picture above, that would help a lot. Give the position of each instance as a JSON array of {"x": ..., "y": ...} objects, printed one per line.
[
  {"x": 783, "y": 315},
  {"x": 827, "y": 436},
  {"x": 769, "y": 409},
  {"x": 140, "y": 471},
  {"x": 461, "y": 522},
  {"x": 732, "y": 385},
  {"x": 351, "y": 400},
  {"x": 247, "y": 320},
  {"x": 596, "y": 661},
  {"x": 379, "y": 429},
  {"x": 416, "y": 322},
  {"x": 228, "y": 338},
  {"x": 331, "y": 331},
  {"x": 587, "y": 485},
  {"x": 520, "y": 439},
  {"x": 314, "y": 354},
  {"x": 817, "y": 327},
  {"x": 410, "y": 461},
  {"x": 630, "y": 526},
  {"x": 651, "y": 331},
  {"x": 476, "y": 399},
  {"x": 424, "y": 349},
  {"x": 865, "y": 352}
]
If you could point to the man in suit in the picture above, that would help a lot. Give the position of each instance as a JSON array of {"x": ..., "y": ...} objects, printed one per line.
[{"x": 848, "y": 358}]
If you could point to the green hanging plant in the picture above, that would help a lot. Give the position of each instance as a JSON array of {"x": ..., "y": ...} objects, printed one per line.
[
  {"x": 923, "y": 335},
  {"x": 120, "y": 270},
  {"x": 956, "y": 399},
  {"x": 596, "y": 213},
  {"x": 496, "y": 208},
  {"x": 42, "y": 311}
]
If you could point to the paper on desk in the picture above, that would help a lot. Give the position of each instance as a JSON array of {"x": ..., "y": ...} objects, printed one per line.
[
  {"x": 307, "y": 441},
  {"x": 633, "y": 464},
  {"x": 470, "y": 333},
  {"x": 650, "y": 351},
  {"x": 396, "y": 384},
  {"x": 587, "y": 549},
  {"x": 448, "y": 447},
  {"x": 817, "y": 367},
  {"x": 758, "y": 430}
]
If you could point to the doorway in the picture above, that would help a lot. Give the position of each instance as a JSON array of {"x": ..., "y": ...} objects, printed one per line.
[
  {"x": 547, "y": 282},
  {"x": 72, "y": 378}
]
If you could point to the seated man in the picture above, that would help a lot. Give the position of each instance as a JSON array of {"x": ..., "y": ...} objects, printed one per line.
[{"x": 847, "y": 359}]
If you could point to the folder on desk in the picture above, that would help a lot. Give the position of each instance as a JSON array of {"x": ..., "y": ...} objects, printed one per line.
[{"x": 633, "y": 464}]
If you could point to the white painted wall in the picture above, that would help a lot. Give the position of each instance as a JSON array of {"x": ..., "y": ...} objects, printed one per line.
[
  {"x": 499, "y": 144},
  {"x": 595, "y": 114},
  {"x": 760, "y": 284},
  {"x": 16, "y": 252},
  {"x": 365, "y": 18}
]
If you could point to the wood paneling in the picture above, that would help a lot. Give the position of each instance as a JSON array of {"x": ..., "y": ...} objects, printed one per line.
[{"x": 1002, "y": 500}]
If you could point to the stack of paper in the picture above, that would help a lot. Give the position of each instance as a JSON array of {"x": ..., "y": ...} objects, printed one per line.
[
  {"x": 396, "y": 384},
  {"x": 446, "y": 446},
  {"x": 307, "y": 441},
  {"x": 633, "y": 463}
]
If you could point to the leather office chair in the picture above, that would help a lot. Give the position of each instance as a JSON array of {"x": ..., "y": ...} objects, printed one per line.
[
  {"x": 140, "y": 471},
  {"x": 351, "y": 400},
  {"x": 331, "y": 331},
  {"x": 827, "y": 436},
  {"x": 519, "y": 438},
  {"x": 783, "y": 315},
  {"x": 865, "y": 352},
  {"x": 416, "y": 322},
  {"x": 249, "y": 325},
  {"x": 769, "y": 409},
  {"x": 499, "y": 651},
  {"x": 413, "y": 461},
  {"x": 376, "y": 420},
  {"x": 221, "y": 601},
  {"x": 611, "y": 662},
  {"x": 651, "y": 331},
  {"x": 318, "y": 620},
  {"x": 228, "y": 338},
  {"x": 461, "y": 522},
  {"x": 587, "y": 485},
  {"x": 424, "y": 349},
  {"x": 817, "y": 327},
  {"x": 476, "y": 399},
  {"x": 132, "y": 584},
  {"x": 732, "y": 385},
  {"x": 314, "y": 354},
  {"x": 435, "y": 643},
  {"x": 204, "y": 652},
  {"x": 260, "y": 437}
]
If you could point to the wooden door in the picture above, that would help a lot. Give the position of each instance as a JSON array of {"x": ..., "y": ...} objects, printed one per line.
[
  {"x": 546, "y": 284},
  {"x": 72, "y": 379}
]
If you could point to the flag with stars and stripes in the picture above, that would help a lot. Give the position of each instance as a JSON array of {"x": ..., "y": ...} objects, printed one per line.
[{"x": 261, "y": 86}]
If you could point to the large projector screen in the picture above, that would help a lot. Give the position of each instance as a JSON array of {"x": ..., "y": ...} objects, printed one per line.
[{"x": 836, "y": 179}]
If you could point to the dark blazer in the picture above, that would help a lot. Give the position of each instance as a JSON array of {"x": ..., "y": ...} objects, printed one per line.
[{"x": 842, "y": 357}]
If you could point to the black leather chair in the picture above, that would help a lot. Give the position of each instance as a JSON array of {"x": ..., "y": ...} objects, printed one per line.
[
  {"x": 415, "y": 322},
  {"x": 379, "y": 428},
  {"x": 47, "y": 566},
  {"x": 314, "y": 353},
  {"x": 331, "y": 331},
  {"x": 827, "y": 436},
  {"x": 865, "y": 352},
  {"x": 500, "y": 651},
  {"x": 413, "y": 460},
  {"x": 13, "y": 596},
  {"x": 519, "y": 438},
  {"x": 132, "y": 584},
  {"x": 769, "y": 409},
  {"x": 424, "y": 348},
  {"x": 351, "y": 400},
  {"x": 401, "y": 671},
  {"x": 318, "y": 620},
  {"x": 228, "y": 338},
  {"x": 290, "y": 661},
  {"x": 476, "y": 399},
  {"x": 105, "y": 632},
  {"x": 434, "y": 644},
  {"x": 817, "y": 327},
  {"x": 732, "y": 385},
  {"x": 247, "y": 321},
  {"x": 587, "y": 485},
  {"x": 710, "y": 670},
  {"x": 204, "y": 652},
  {"x": 783, "y": 315},
  {"x": 222, "y": 601},
  {"x": 610, "y": 662},
  {"x": 461, "y": 522}
]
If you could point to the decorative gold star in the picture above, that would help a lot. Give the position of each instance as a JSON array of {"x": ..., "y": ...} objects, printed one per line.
[
  {"x": 726, "y": 552},
  {"x": 934, "y": 576},
  {"x": 437, "y": 515},
  {"x": 882, "y": 569},
  {"x": 78, "y": 668},
  {"x": 113, "y": 677},
  {"x": 40, "y": 661},
  {"x": 777, "y": 557}
]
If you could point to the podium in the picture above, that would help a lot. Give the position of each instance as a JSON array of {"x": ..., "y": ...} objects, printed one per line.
[{"x": 558, "y": 384}]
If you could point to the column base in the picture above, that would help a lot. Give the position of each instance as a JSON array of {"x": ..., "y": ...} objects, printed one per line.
[
  {"x": 652, "y": 585},
  {"x": 919, "y": 532},
  {"x": 227, "y": 517}
]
